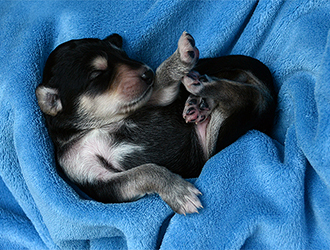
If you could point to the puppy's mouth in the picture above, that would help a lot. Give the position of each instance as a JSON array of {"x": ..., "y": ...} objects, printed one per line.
[{"x": 140, "y": 101}]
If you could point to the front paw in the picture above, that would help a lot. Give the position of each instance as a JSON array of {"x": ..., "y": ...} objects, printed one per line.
[
  {"x": 189, "y": 54},
  {"x": 181, "y": 196}
]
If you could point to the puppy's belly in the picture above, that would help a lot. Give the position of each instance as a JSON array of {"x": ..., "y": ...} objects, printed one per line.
[{"x": 95, "y": 157}]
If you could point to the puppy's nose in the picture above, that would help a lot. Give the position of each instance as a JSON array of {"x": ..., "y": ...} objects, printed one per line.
[{"x": 148, "y": 76}]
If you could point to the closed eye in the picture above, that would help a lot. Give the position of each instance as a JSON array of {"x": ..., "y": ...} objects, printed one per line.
[{"x": 94, "y": 74}]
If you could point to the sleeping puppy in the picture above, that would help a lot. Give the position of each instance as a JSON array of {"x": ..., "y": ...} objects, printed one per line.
[{"x": 118, "y": 129}]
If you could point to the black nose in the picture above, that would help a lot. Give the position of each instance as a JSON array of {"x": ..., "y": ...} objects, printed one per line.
[{"x": 148, "y": 76}]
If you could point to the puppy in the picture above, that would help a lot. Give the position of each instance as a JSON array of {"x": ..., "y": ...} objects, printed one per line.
[{"x": 118, "y": 129}]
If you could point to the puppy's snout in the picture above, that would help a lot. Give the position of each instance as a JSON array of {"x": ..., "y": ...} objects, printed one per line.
[{"x": 148, "y": 76}]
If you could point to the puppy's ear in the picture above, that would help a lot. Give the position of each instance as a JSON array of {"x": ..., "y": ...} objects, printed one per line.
[
  {"x": 48, "y": 100},
  {"x": 115, "y": 39}
]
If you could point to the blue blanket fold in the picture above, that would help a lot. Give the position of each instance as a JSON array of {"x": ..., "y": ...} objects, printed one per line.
[{"x": 261, "y": 192}]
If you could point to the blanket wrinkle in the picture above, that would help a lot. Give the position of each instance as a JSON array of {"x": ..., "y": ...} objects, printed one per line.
[{"x": 261, "y": 192}]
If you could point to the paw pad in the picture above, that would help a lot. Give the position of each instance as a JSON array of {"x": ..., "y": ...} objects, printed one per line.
[{"x": 196, "y": 110}]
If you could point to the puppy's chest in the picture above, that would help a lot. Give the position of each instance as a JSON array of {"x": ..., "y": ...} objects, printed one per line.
[
  {"x": 106, "y": 145},
  {"x": 97, "y": 153}
]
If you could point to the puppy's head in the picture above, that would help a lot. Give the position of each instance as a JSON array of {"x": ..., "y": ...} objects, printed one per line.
[{"x": 90, "y": 79}]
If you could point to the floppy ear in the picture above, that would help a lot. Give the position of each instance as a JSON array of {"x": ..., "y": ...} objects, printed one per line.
[
  {"x": 115, "y": 39},
  {"x": 48, "y": 100}
]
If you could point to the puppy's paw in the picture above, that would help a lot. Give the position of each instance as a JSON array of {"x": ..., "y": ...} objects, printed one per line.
[
  {"x": 196, "y": 109},
  {"x": 182, "y": 197},
  {"x": 189, "y": 203},
  {"x": 189, "y": 54},
  {"x": 193, "y": 82}
]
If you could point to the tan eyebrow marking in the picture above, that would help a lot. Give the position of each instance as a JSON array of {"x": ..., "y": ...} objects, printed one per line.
[{"x": 100, "y": 63}]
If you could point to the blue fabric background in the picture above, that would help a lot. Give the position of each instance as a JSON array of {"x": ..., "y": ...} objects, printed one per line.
[{"x": 259, "y": 193}]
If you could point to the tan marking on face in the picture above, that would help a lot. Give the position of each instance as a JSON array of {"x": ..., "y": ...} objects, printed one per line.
[
  {"x": 127, "y": 92},
  {"x": 106, "y": 104},
  {"x": 100, "y": 63}
]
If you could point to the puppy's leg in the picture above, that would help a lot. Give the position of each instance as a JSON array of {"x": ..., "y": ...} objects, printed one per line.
[
  {"x": 172, "y": 70},
  {"x": 230, "y": 94},
  {"x": 132, "y": 184},
  {"x": 98, "y": 170}
]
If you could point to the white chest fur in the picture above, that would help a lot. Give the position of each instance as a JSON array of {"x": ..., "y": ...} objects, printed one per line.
[{"x": 82, "y": 162}]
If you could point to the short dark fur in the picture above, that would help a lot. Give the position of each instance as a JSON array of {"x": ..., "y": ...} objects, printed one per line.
[
  {"x": 156, "y": 136},
  {"x": 246, "y": 116}
]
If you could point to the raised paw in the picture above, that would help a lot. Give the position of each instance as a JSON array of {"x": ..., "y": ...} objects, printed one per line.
[
  {"x": 197, "y": 109},
  {"x": 182, "y": 197},
  {"x": 194, "y": 82},
  {"x": 189, "y": 54}
]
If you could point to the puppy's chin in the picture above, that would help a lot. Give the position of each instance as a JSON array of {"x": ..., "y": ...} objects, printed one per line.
[{"x": 136, "y": 103}]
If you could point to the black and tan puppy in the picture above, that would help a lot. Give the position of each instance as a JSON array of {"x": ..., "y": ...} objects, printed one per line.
[{"x": 118, "y": 129}]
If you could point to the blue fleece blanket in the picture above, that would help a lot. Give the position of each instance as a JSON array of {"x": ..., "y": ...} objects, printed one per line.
[{"x": 262, "y": 192}]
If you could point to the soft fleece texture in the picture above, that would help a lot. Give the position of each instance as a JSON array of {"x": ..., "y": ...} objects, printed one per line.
[{"x": 262, "y": 192}]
